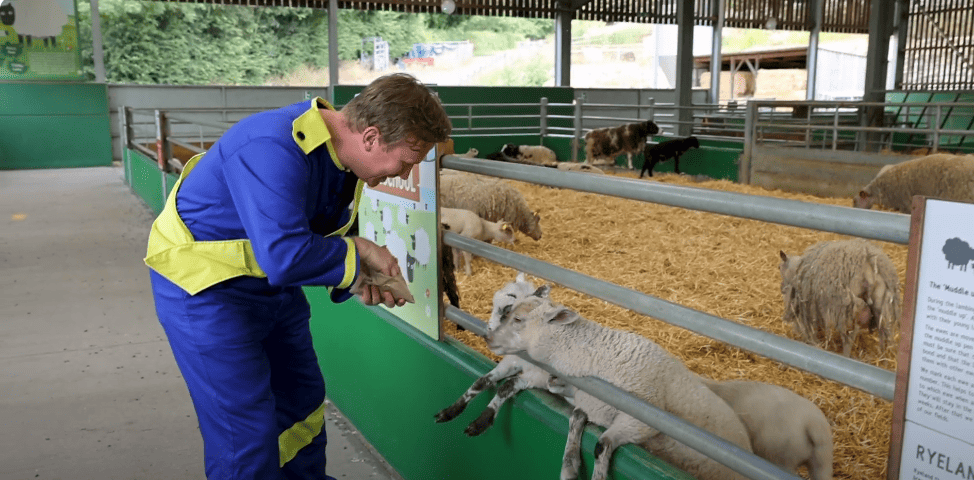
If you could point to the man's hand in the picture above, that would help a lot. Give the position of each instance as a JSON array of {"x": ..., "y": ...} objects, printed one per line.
[{"x": 375, "y": 258}]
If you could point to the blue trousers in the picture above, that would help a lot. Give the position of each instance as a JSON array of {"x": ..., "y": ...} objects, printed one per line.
[{"x": 246, "y": 354}]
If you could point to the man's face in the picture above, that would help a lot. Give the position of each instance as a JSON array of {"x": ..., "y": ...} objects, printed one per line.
[{"x": 397, "y": 160}]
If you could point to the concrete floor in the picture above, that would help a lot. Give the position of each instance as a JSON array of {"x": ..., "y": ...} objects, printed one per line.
[{"x": 88, "y": 385}]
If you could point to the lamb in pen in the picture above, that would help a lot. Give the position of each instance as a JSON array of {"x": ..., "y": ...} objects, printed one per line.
[
  {"x": 840, "y": 287},
  {"x": 468, "y": 224},
  {"x": 491, "y": 199},
  {"x": 941, "y": 175},
  {"x": 608, "y": 143},
  {"x": 550, "y": 333},
  {"x": 662, "y": 151}
]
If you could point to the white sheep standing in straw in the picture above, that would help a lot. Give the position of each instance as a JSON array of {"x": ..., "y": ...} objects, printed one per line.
[
  {"x": 840, "y": 287},
  {"x": 553, "y": 334},
  {"x": 491, "y": 199},
  {"x": 941, "y": 175}
]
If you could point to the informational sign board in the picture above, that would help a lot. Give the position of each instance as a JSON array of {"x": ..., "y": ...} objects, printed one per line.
[
  {"x": 39, "y": 40},
  {"x": 401, "y": 214},
  {"x": 933, "y": 411}
]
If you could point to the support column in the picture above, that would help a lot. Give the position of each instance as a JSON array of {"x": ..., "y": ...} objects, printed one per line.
[
  {"x": 563, "y": 44},
  {"x": 332, "y": 48},
  {"x": 877, "y": 54},
  {"x": 715, "y": 53},
  {"x": 811, "y": 63},
  {"x": 97, "y": 52},
  {"x": 684, "y": 65},
  {"x": 901, "y": 26}
]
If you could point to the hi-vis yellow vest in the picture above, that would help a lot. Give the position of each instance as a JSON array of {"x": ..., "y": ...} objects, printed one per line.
[{"x": 197, "y": 265}]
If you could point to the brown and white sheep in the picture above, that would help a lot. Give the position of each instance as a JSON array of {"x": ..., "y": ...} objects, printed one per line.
[
  {"x": 840, "y": 287},
  {"x": 491, "y": 199},
  {"x": 468, "y": 224},
  {"x": 608, "y": 143},
  {"x": 942, "y": 175}
]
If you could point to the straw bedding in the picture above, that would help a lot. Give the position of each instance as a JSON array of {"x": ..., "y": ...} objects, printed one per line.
[{"x": 721, "y": 265}]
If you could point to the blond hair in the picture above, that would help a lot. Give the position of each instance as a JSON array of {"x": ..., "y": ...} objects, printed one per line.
[{"x": 402, "y": 108}]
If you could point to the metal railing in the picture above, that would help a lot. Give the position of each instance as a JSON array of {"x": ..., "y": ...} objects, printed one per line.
[{"x": 891, "y": 227}]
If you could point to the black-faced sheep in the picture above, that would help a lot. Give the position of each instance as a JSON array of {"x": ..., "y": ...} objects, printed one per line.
[
  {"x": 785, "y": 428},
  {"x": 491, "y": 199},
  {"x": 550, "y": 333},
  {"x": 840, "y": 287},
  {"x": 957, "y": 253},
  {"x": 608, "y": 143},
  {"x": 663, "y": 151},
  {"x": 468, "y": 224},
  {"x": 944, "y": 176}
]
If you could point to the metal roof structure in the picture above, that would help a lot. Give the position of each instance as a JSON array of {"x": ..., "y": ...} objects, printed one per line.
[{"x": 845, "y": 16}]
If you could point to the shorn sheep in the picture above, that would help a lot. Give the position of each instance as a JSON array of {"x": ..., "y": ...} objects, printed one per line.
[
  {"x": 840, "y": 287},
  {"x": 663, "y": 151},
  {"x": 608, "y": 143},
  {"x": 941, "y": 175},
  {"x": 468, "y": 224},
  {"x": 491, "y": 199},
  {"x": 785, "y": 428},
  {"x": 550, "y": 333}
]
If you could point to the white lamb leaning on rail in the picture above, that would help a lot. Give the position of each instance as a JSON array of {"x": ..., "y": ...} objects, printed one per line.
[
  {"x": 945, "y": 176},
  {"x": 468, "y": 224},
  {"x": 839, "y": 287},
  {"x": 553, "y": 334},
  {"x": 520, "y": 374},
  {"x": 785, "y": 428},
  {"x": 491, "y": 199}
]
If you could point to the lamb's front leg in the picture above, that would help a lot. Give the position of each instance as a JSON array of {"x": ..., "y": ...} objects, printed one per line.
[
  {"x": 527, "y": 379},
  {"x": 507, "y": 367},
  {"x": 676, "y": 163},
  {"x": 623, "y": 429},
  {"x": 571, "y": 462}
]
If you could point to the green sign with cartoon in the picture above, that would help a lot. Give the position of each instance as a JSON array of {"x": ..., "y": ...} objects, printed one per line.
[{"x": 39, "y": 40}]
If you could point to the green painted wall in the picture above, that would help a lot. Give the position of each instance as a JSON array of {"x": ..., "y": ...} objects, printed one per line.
[
  {"x": 54, "y": 125},
  {"x": 953, "y": 118},
  {"x": 389, "y": 380}
]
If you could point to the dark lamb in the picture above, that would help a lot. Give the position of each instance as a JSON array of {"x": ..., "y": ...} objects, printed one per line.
[{"x": 665, "y": 150}]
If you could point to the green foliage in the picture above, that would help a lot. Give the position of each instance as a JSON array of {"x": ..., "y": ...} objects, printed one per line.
[
  {"x": 633, "y": 34},
  {"x": 187, "y": 43}
]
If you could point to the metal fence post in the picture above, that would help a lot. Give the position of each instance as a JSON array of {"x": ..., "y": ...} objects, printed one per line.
[
  {"x": 125, "y": 136},
  {"x": 544, "y": 118},
  {"x": 936, "y": 128},
  {"x": 576, "y": 138},
  {"x": 750, "y": 137},
  {"x": 163, "y": 149}
]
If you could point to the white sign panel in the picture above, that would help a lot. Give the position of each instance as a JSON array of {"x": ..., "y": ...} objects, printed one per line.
[{"x": 938, "y": 427}]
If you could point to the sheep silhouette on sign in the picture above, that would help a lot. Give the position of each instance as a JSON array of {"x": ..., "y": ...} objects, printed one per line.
[{"x": 957, "y": 253}]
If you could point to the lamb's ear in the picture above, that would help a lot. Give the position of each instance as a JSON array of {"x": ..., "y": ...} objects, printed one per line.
[
  {"x": 784, "y": 257},
  {"x": 542, "y": 291},
  {"x": 507, "y": 228},
  {"x": 560, "y": 315},
  {"x": 521, "y": 278}
]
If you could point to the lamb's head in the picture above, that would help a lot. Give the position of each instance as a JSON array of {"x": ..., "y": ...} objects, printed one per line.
[
  {"x": 507, "y": 296},
  {"x": 511, "y": 150},
  {"x": 506, "y": 233},
  {"x": 524, "y": 321}
]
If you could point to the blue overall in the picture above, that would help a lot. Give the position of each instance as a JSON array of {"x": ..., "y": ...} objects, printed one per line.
[{"x": 244, "y": 343}]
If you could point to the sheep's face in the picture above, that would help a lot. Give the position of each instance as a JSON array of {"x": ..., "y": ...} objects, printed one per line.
[
  {"x": 506, "y": 297},
  {"x": 787, "y": 267},
  {"x": 533, "y": 228},
  {"x": 863, "y": 200},
  {"x": 519, "y": 324}
]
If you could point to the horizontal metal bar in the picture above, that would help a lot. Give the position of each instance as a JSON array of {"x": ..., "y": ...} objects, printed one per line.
[
  {"x": 146, "y": 151},
  {"x": 218, "y": 125},
  {"x": 722, "y": 451},
  {"x": 877, "y": 225},
  {"x": 847, "y": 371},
  {"x": 187, "y": 146}
]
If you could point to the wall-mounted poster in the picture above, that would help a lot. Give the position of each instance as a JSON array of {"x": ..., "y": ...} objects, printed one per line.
[
  {"x": 39, "y": 40},
  {"x": 933, "y": 410},
  {"x": 401, "y": 214}
]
